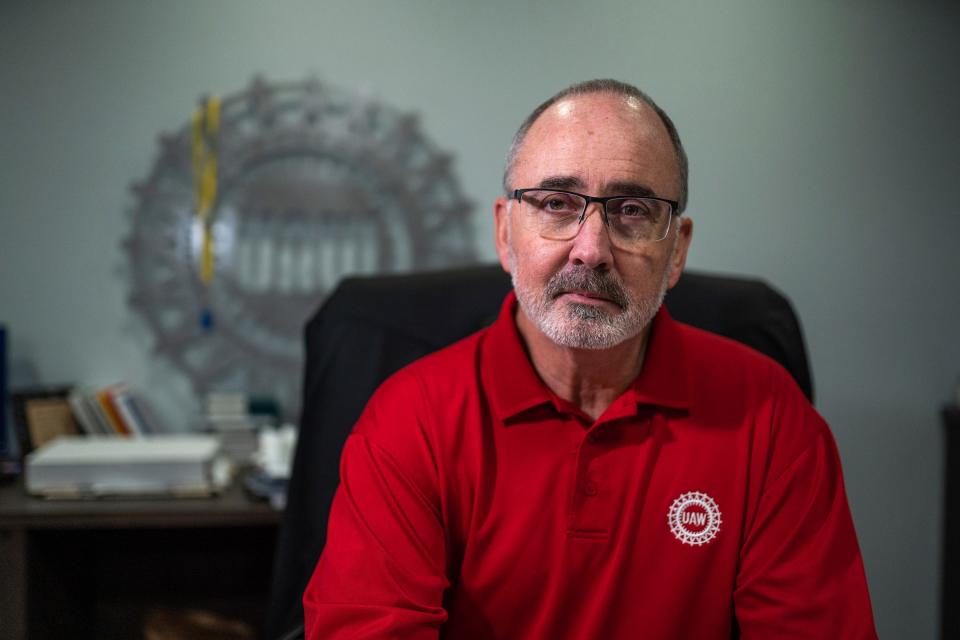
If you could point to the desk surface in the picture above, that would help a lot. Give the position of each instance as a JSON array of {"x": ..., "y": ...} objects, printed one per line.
[{"x": 231, "y": 508}]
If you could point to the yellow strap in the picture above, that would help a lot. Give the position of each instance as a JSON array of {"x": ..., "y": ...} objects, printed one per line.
[{"x": 206, "y": 127}]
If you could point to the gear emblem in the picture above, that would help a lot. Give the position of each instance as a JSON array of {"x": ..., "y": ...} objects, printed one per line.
[
  {"x": 314, "y": 184},
  {"x": 694, "y": 518}
]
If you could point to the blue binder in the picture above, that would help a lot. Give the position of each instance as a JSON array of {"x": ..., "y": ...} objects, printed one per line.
[{"x": 4, "y": 418}]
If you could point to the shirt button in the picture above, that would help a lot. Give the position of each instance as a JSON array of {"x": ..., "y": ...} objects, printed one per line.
[
  {"x": 592, "y": 438},
  {"x": 590, "y": 488}
]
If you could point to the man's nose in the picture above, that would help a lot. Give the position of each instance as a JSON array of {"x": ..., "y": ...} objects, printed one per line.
[{"x": 591, "y": 246}]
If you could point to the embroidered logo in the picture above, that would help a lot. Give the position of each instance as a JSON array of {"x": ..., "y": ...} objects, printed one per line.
[{"x": 694, "y": 518}]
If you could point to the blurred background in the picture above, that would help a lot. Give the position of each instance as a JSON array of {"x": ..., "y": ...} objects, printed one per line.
[{"x": 823, "y": 141}]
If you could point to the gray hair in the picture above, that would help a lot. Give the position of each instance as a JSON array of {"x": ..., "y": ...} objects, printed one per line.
[{"x": 614, "y": 87}]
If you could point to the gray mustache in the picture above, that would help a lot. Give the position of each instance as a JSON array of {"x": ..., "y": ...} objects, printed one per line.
[{"x": 586, "y": 279}]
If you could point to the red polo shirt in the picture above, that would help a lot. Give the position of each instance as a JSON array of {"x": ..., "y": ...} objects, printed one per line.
[{"x": 476, "y": 504}]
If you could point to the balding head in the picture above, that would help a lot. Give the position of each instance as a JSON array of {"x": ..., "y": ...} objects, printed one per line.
[{"x": 630, "y": 94}]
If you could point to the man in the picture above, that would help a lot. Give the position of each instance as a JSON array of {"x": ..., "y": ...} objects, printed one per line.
[{"x": 586, "y": 467}]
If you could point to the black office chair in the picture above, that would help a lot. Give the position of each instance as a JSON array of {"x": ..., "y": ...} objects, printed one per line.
[{"x": 372, "y": 326}]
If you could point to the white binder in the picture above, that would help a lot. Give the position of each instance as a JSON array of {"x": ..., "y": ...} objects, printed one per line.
[{"x": 78, "y": 466}]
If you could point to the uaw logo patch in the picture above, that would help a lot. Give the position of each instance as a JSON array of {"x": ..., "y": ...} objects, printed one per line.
[{"x": 694, "y": 518}]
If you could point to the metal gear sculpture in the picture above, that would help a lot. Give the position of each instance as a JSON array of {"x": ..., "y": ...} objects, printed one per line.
[{"x": 313, "y": 184}]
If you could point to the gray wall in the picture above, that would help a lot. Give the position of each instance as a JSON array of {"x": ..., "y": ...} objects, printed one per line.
[{"x": 823, "y": 139}]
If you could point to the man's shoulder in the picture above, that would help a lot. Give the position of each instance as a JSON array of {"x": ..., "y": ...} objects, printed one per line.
[
  {"x": 733, "y": 383},
  {"x": 715, "y": 357}
]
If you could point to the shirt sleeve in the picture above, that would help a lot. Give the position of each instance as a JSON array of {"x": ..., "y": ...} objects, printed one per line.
[
  {"x": 382, "y": 573},
  {"x": 801, "y": 574}
]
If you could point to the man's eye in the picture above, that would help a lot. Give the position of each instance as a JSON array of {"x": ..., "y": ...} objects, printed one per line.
[
  {"x": 634, "y": 209},
  {"x": 559, "y": 203}
]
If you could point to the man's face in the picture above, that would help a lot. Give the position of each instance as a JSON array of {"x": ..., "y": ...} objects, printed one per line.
[{"x": 583, "y": 292}]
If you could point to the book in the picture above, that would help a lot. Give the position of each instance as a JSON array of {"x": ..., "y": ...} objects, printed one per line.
[
  {"x": 130, "y": 411},
  {"x": 99, "y": 415},
  {"x": 85, "y": 415},
  {"x": 105, "y": 400}
]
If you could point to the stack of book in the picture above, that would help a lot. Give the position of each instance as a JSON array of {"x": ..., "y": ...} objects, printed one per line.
[
  {"x": 228, "y": 416},
  {"x": 42, "y": 414},
  {"x": 113, "y": 410}
]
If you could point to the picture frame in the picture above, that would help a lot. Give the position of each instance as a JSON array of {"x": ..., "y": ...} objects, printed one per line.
[{"x": 41, "y": 414}]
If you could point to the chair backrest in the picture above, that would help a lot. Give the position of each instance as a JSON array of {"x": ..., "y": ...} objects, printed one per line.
[{"x": 372, "y": 326}]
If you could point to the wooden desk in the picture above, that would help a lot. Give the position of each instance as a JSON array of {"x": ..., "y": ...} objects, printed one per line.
[{"x": 86, "y": 569}]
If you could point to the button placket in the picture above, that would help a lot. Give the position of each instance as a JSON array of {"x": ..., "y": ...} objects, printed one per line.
[
  {"x": 607, "y": 459},
  {"x": 592, "y": 510},
  {"x": 588, "y": 455}
]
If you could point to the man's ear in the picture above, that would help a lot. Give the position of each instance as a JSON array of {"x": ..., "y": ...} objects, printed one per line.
[
  {"x": 501, "y": 232},
  {"x": 679, "y": 258}
]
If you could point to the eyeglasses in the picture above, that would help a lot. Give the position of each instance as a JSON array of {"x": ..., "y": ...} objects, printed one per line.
[{"x": 557, "y": 215}]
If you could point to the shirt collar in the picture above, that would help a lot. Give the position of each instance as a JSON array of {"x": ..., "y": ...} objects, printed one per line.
[
  {"x": 507, "y": 372},
  {"x": 663, "y": 380},
  {"x": 515, "y": 387}
]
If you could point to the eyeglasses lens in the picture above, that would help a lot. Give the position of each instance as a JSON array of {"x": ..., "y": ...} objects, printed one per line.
[{"x": 556, "y": 216}]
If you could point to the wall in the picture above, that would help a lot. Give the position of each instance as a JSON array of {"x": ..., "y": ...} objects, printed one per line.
[{"x": 823, "y": 140}]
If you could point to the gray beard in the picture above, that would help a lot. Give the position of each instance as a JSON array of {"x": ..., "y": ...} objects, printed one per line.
[{"x": 582, "y": 326}]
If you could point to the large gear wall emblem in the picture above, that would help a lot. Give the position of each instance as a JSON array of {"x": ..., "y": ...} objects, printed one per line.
[{"x": 314, "y": 184}]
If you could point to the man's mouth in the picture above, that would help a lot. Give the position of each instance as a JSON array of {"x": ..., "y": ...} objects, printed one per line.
[
  {"x": 584, "y": 293},
  {"x": 586, "y": 296}
]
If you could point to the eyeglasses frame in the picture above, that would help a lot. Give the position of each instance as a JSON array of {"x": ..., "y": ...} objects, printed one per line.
[{"x": 603, "y": 200}]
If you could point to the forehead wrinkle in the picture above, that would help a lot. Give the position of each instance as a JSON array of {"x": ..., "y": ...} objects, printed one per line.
[
  {"x": 615, "y": 188},
  {"x": 562, "y": 182},
  {"x": 628, "y": 189}
]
